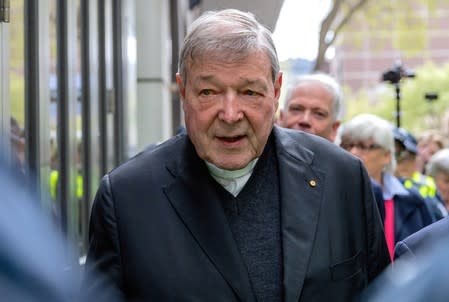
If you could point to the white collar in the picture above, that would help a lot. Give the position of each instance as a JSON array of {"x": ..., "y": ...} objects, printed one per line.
[{"x": 232, "y": 180}]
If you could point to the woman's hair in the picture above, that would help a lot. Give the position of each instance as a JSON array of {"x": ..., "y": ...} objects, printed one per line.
[
  {"x": 364, "y": 127},
  {"x": 438, "y": 163},
  {"x": 431, "y": 136}
]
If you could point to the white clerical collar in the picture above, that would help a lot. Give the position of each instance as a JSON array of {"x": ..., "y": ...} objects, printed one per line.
[{"x": 233, "y": 181}]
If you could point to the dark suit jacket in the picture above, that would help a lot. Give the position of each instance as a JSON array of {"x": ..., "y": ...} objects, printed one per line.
[
  {"x": 423, "y": 239},
  {"x": 379, "y": 198},
  {"x": 411, "y": 215},
  {"x": 420, "y": 271},
  {"x": 159, "y": 232}
]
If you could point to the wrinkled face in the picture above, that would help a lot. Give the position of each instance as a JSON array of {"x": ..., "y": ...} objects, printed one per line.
[
  {"x": 442, "y": 183},
  {"x": 310, "y": 109},
  {"x": 374, "y": 157},
  {"x": 229, "y": 108}
]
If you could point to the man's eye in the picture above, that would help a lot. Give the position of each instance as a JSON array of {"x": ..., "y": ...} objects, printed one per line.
[
  {"x": 296, "y": 109},
  {"x": 251, "y": 93},
  {"x": 206, "y": 92}
]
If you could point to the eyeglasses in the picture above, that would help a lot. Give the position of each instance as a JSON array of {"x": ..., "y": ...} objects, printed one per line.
[{"x": 361, "y": 146}]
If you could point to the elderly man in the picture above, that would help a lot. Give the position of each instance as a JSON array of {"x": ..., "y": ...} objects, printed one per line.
[
  {"x": 313, "y": 105},
  {"x": 236, "y": 209}
]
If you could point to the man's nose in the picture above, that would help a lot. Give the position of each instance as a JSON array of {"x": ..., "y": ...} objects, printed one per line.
[
  {"x": 231, "y": 110},
  {"x": 305, "y": 117},
  {"x": 354, "y": 150}
]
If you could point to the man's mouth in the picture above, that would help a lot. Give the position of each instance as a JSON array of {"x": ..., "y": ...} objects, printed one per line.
[{"x": 231, "y": 139}]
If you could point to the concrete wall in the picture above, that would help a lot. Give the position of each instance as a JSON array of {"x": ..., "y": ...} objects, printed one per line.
[{"x": 153, "y": 71}]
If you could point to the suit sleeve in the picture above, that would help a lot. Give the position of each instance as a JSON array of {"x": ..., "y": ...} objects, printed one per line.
[
  {"x": 103, "y": 257},
  {"x": 377, "y": 252},
  {"x": 401, "y": 249}
]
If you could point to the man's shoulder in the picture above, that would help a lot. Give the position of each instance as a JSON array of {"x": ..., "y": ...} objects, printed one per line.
[
  {"x": 153, "y": 159},
  {"x": 321, "y": 148},
  {"x": 425, "y": 237}
]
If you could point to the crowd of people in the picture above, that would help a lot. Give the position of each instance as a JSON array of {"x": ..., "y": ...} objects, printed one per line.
[
  {"x": 241, "y": 206},
  {"x": 409, "y": 178}
]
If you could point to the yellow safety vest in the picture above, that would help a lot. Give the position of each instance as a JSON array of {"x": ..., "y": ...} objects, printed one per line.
[
  {"x": 425, "y": 184},
  {"x": 54, "y": 175}
]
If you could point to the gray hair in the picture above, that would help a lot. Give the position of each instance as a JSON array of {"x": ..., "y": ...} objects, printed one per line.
[
  {"x": 229, "y": 35},
  {"x": 367, "y": 126},
  {"x": 327, "y": 82},
  {"x": 439, "y": 162}
]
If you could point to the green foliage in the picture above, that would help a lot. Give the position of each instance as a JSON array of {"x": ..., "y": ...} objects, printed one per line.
[
  {"x": 404, "y": 24},
  {"x": 418, "y": 114},
  {"x": 16, "y": 62},
  {"x": 17, "y": 94},
  {"x": 17, "y": 48},
  {"x": 401, "y": 25}
]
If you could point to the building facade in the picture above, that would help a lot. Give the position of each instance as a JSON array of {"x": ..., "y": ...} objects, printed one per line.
[{"x": 363, "y": 54}]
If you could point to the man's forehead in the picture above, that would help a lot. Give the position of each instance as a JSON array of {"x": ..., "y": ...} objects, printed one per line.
[
  {"x": 311, "y": 100},
  {"x": 223, "y": 58},
  {"x": 312, "y": 88},
  {"x": 214, "y": 77},
  {"x": 214, "y": 71}
]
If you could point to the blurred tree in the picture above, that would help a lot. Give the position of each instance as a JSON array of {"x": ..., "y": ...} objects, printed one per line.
[
  {"x": 418, "y": 114},
  {"x": 403, "y": 19},
  {"x": 16, "y": 62}
]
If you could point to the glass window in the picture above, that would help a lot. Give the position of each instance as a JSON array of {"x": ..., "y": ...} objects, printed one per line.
[{"x": 17, "y": 83}]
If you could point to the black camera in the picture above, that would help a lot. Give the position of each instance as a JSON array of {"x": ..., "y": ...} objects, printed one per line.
[
  {"x": 395, "y": 74},
  {"x": 431, "y": 96}
]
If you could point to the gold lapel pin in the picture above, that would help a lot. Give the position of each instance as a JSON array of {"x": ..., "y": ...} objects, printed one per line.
[{"x": 312, "y": 183}]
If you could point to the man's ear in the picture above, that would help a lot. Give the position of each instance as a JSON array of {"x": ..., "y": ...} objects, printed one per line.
[
  {"x": 277, "y": 90},
  {"x": 181, "y": 87},
  {"x": 277, "y": 86},
  {"x": 335, "y": 126},
  {"x": 280, "y": 120},
  {"x": 333, "y": 135}
]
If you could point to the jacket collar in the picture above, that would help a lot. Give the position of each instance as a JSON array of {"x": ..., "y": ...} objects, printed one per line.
[
  {"x": 301, "y": 194},
  {"x": 196, "y": 202}
]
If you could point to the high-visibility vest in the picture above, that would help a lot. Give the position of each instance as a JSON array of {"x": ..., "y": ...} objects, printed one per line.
[
  {"x": 423, "y": 183},
  {"x": 54, "y": 176}
]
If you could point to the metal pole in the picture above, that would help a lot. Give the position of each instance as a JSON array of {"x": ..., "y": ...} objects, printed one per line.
[{"x": 398, "y": 104}]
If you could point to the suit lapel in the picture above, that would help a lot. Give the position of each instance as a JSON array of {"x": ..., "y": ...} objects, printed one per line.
[
  {"x": 301, "y": 195},
  {"x": 193, "y": 197}
]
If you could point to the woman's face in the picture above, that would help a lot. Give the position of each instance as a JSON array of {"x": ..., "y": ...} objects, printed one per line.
[
  {"x": 374, "y": 157},
  {"x": 426, "y": 150},
  {"x": 442, "y": 183}
]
